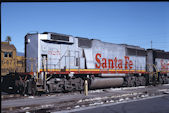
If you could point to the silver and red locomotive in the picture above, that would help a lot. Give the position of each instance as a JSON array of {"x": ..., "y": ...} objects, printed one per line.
[
  {"x": 60, "y": 63},
  {"x": 64, "y": 61}
]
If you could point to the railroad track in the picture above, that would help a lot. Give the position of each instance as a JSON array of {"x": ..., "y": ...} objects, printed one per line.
[{"x": 73, "y": 100}]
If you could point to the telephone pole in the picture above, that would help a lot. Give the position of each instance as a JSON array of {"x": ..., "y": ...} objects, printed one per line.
[{"x": 151, "y": 44}]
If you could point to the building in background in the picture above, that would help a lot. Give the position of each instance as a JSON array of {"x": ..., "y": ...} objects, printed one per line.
[{"x": 10, "y": 62}]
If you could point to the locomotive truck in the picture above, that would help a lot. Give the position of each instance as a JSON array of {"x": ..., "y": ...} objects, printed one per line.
[{"x": 60, "y": 63}]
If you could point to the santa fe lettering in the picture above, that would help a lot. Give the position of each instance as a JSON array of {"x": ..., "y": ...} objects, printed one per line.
[{"x": 112, "y": 63}]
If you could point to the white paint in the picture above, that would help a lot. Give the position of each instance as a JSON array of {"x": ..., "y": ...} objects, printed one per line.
[
  {"x": 121, "y": 99},
  {"x": 96, "y": 103},
  {"x": 47, "y": 105},
  {"x": 111, "y": 101},
  {"x": 31, "y": 97},
  {"x": 89, "y": 58},
  {"x": 25, "y": 108},
  {"x": 96, "y": 91},
  {"x": 77, "y": 106}
]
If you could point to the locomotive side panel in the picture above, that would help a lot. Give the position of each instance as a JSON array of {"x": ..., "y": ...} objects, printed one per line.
[
  {"x": 31, "y": 52},
  {"x": 138, "y": 56},
  {"x": 150, "y": 61},
  {"x": 103, "y": 55},
  {"x": 108, "y": 56},
  {"x": 61, "y": 54},
  {"x": 159, "y": 59},
  {"x": 139, "y": 63},
  {"x": 162, "y": 65},
  {"x": 162, "y": 61}
]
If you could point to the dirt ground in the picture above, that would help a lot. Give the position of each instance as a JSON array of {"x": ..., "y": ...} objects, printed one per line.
[{"x": 47, "y": 103}]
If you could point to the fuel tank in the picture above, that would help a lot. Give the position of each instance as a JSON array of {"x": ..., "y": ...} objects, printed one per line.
[{"x": 106, "y": 82}]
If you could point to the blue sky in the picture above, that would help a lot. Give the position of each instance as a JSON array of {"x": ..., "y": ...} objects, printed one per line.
[{"x": 134, "y": 23}]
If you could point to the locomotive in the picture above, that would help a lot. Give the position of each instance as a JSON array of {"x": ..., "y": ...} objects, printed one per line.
[{"x": 60, "y": 63}]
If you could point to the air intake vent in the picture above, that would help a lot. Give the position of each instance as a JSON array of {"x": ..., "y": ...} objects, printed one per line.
[
  {"x": 136, "y": 52},
  {"x": 59, "y": 37}
]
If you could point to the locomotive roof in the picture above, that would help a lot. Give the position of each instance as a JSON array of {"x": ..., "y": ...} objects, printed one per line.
[
  {"x": 95, "y": 39},
  {"x": 158, "y": 50},
  {"x": 49, "y": 33},
  {"x": 86, "y": 41},
  {"x": 160, "y": 53},
  {"x": 55, "y": 33},
  {"x": 133, "y": 46}
]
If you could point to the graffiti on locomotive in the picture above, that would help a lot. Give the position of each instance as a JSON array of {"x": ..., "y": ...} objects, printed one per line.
[{"x": 164, "y": 65}]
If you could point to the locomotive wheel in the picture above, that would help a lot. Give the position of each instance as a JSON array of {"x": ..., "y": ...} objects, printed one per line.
[
  {"x": 153, "y": 74},
  {"x": 34, "y": 88},
  {"x": 143, "y": 81},
  {"x": 165, "y": 79},
  {"x": 31, "y": 87},
  {"x": 131, "y": 81},
  {"x": 161, "y": 80},
  {"x": 138, "y": 81},
  {"x": 33, "y": 91},
  {"x": 21, "y": 89}
]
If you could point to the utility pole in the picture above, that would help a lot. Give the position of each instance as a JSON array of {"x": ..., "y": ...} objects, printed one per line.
[{"x": 151, "y": 44}]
